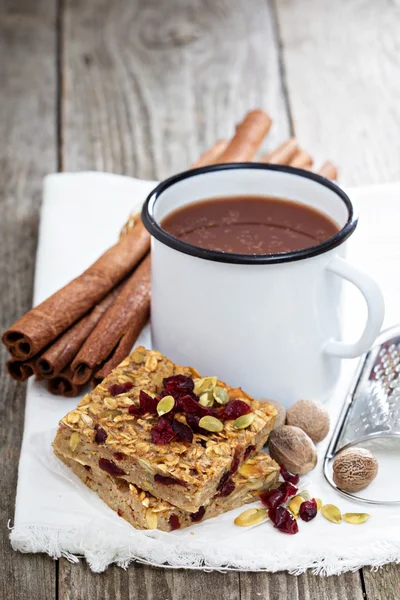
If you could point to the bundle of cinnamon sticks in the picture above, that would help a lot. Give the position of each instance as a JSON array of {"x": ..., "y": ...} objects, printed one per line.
[{"x": 83, "y": 331}]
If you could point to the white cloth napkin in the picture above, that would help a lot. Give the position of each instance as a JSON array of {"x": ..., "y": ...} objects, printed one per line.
[{"x": 82, "y": 214}]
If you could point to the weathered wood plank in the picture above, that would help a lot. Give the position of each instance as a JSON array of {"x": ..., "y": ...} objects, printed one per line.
[
  {"x": 342, "y": 62},
  {"x": 27, "y": 153},
  {"x": 382, "y": 584},
  {"x": 265, "y": 586},
  {"x": 149, "y": 85}
]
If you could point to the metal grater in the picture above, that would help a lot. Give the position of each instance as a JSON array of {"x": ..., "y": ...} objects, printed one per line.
[{"x": 371, "y": 412}]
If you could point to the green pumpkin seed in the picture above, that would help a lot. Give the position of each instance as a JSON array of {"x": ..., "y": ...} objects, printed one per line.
[
  {"x": 165, "y": 405},
  {"x": 244, "y": 421},
  {"x": 221, "y": 395},
  {"x": 305, "y": 495},
  {"x": 205, "y": 384},
  {"x": 356, "y": 518},
  {"x": 74, "y": 441},
  {"x": 211, "y": 424},
  {"x": 332, "y": 513},
  {"x": 206, "y": 398}
]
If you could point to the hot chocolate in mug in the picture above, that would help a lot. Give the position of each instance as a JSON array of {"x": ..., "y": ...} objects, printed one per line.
[{"x": 269, "y": 323}]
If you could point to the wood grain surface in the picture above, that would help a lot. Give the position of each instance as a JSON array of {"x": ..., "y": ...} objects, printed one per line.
[
  {"x": 144, "y": 88},
  {"x": 27, "y": 152},
  {"x": 342, "y": 64}
]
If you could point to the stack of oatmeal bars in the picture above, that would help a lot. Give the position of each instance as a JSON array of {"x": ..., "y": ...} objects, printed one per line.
[{"x": 166, "y": 448}]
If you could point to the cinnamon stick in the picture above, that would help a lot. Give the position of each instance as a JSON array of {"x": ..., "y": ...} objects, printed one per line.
[
  {"x": 62, "y": 384},
  {"x": 283, "y": 154},
  {"x": 248, "y": 137},
  {"x": 20, "y": 370},
  {"x": 211, "y": 155},
  {"x": 131, "y": 308},
  {"x": 44, "y": 323},
  {"x": 66, "y": 347},
  {"x": 121, "y": 351},
  {"x": 328, "y": 170},
  {"x": 302, "y": 160}
]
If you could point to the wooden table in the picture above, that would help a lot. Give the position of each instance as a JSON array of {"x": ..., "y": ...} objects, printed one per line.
[{"x": 142, "y": 87}]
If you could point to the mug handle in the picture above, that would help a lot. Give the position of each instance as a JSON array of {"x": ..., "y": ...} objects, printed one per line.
[{"x": 375, "y": 304}]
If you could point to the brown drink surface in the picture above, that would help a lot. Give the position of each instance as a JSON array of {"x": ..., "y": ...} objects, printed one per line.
[{"x": 250, "y": 225}]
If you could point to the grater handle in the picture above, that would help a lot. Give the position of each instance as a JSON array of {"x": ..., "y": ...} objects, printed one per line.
[{"x": 375, "y": 304}]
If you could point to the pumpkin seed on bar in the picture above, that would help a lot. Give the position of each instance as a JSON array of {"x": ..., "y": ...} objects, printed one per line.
[
  {"x": 74, "y": 441},
  {"x": 211, "y": 424},
  {"x": 165, "y": 405},
  {"x": 356, "y": 518},
  {"x": 206, "y": 398},
  {"x": 251, "y": 516},
  {"x": 221, "y": 395},
  {"x": 205, "y": 384},
  {"x": 244, "y": 421},
  {"x": 332, "y": 513}
]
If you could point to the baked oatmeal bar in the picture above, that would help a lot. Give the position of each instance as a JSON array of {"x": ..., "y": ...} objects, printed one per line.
[
  {"x": 165, "y": 429},
  {"x": 143, "y": 511}
]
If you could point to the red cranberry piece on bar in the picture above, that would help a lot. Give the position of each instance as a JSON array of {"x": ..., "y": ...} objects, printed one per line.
[
  {"x": 174, "y": 522},
  {"x": 147, "y": 403},
  {"x": 197, "y": 516},
  {"x": 111, "y": 468},
  {"x": 182, "y": 431},
  {"x": 119, "y": 388},
  {"x": 235, "y": 409}
]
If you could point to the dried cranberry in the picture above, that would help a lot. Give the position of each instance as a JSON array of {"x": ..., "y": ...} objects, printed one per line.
[
  {"x": 197, "y": 516},
  {"x": 182, "y": 431},
  {"x": 193, "y": 421},
  {"x": 283, "y": 520},
  {"x": 100, "y": 435},
  {"x": 249, "y": 450},
  {"x": 308, "y": 510},
  {"x": 119, "y": 511},
  {"x": 288, "y": 490},
  {"x": 226, "y": 489},
  {"x": 165, "y": 480},
  {"x": 110, "y": 467},
  {"x": 119, "y": 456},
  {"x": 178, "y": 383},
  {"x": 272, "y": 498},
  {"x": 135, "y": 410},
  {"x": 147, "y": 403},
  {"x": 162, "y": 432},
  {"x": 235, "y": 409},
  {"x": 119, "y": 388},
  {"x": 289, "y": 476},
  {"x": 235, "y": 463},
  {"x": 174, "y": 522},
  {"x": 189, "y": 405}
]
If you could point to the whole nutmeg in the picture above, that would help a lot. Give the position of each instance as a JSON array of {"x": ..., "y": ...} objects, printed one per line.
[
  {"x": 312, "y": 417},
  {"x": 281, "y": 416},
  {"x": 291, "y": 447},
  {"x": 354, "y": 469}
]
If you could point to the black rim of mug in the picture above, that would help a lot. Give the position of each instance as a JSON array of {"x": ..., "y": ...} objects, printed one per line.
[{"x": 246, "y": 259}]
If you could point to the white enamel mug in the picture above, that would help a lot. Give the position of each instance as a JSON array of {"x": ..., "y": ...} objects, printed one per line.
[{"x": 267, "y": 323}]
